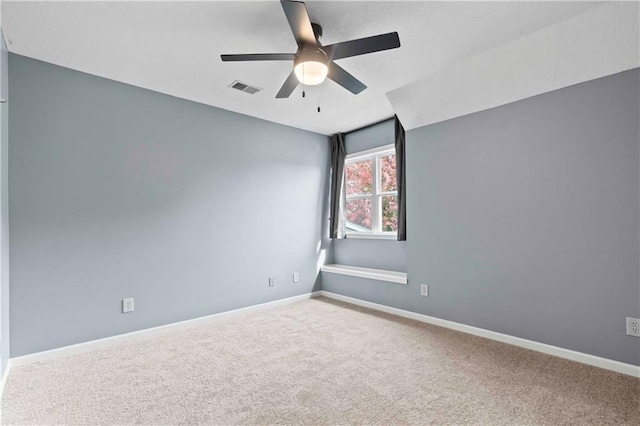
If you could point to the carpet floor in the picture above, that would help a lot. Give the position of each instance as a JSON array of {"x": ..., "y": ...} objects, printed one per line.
[{"x": 317, "y": 362}]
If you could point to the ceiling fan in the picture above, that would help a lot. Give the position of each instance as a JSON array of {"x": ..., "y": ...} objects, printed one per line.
[{"x": 313, "y": 62}]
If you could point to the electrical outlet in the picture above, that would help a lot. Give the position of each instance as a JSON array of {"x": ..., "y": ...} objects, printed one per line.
[
  {"x": 127, "y": 305},
  {"x": 633, "y": 327},
  {"x": 296, "y": 277},
  {"x": 424, "y": 290},
  {"x": 272, "y": 282}
]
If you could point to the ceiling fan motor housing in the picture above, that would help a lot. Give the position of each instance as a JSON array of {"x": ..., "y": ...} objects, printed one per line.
[
  {"x": 317, "y": 30},
  {"x": 310, "y": 54}
]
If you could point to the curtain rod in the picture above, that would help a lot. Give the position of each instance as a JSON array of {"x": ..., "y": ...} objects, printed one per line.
[{"x": 369, "y": 125}]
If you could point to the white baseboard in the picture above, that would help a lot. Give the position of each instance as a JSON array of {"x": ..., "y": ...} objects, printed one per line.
[
  {"x": 620, "y": 367},
  {"x": 4, "y": 379},
  {"x": 107, "y": 341},
  {"x": 596, "y": 361}
]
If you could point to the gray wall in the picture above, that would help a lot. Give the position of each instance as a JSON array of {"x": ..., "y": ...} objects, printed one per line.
[
  {"x": 524, "y": 219},
  {"x": 380, "y": 254},
  {"x": 370, "y": 137},
  {"x": 118, "y": 192},
  {"x": 4, "y": 207}
]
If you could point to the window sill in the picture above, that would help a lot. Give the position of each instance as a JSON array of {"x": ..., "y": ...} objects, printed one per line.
[
  {"x": 370, "y": 273},
  {"x": 372, "y": 236}
]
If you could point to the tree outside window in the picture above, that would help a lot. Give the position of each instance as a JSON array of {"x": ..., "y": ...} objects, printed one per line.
[{"x": 371, "y": 192}]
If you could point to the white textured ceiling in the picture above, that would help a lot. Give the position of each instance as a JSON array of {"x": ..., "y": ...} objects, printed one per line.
[
  {"x": 600, "y": 42},
  {"x": 175, "y": 47}
]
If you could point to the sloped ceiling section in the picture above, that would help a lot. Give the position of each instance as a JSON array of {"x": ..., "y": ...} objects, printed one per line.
[
  {"x": 597, "y": 43},
  {"x": 174, "y": 47}
]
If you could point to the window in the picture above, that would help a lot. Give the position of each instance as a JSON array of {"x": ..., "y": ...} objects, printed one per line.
[{"x": 371, "y": 207}]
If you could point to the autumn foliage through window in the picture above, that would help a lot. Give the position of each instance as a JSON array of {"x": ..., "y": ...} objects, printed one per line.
[{"x": 371, "y": 193}]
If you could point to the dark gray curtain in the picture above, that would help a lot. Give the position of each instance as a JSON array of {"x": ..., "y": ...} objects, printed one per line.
[
  {"x": 338, "y": 154},
  {"x": 401, "y": 172}
]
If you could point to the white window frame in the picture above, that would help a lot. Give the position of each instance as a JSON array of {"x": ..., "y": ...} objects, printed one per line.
[{"x": 374, "y": 154}]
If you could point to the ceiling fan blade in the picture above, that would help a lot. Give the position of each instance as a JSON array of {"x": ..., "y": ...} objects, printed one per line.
[
  {"x": 259, "y": 57},
  {"x": 362, "y": 46},
  {"x": 344, "y": 79},
  {"x": 296, "y": 13},
  {"x": 288, "y": 87}
]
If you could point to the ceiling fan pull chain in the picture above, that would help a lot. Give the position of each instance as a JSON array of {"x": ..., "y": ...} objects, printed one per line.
[
  {"x": 303, "y": 93},
  {"x": 318, "y": 98}
]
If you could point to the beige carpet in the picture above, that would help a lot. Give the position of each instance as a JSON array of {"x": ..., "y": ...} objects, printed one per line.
[{"x": 317, "y": 362}]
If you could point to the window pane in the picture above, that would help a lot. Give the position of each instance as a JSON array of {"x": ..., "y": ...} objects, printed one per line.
[
  {"x": 388, "y": 173},
  {"x": 359, "y": 177},
  {"x": 390, "y": 213},
  {"x": 358, "y": 215}
]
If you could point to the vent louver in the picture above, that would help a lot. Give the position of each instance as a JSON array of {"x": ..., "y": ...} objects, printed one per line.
[
  {"x": 243, "y": 87},
  {"x": 251, "y": 90}
]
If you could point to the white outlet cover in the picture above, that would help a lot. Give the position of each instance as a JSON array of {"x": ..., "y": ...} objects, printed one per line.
[
  {"x": 127, "y": 305},
  {"x": 424, "y": 290},
  {"x": 272, "y": 282},
  {"x": 296, "y": 277},
  {"x": 633, "y": 327}
]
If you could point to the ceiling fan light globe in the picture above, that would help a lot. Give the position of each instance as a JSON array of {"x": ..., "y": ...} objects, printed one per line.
[{"x": 311, "y": 73}]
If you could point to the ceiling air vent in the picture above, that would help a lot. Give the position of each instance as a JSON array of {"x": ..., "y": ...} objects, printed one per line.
[{"x": 243, "y": 87}]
